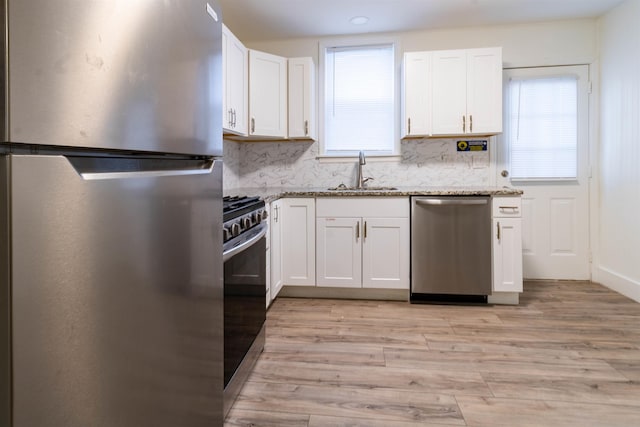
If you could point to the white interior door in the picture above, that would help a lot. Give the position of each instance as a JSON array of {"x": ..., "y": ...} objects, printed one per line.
[{"x": 536, "y": 154}]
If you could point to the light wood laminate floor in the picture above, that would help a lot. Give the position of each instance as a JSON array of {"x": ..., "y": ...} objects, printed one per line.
[{"x": 568, "y": 355}]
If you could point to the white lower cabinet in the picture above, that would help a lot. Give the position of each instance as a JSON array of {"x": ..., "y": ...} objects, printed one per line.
[
  {"x": 358, "y": 251},
  {"x": 507, "y": 244},
  {"x": 298, "y": 242}
]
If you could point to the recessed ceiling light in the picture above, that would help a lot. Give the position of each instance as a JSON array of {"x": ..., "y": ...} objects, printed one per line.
[{"x": 359, "y": 20}]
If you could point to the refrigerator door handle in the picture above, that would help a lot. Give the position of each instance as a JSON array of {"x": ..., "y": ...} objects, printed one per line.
[{"x": 91, "y": 169}]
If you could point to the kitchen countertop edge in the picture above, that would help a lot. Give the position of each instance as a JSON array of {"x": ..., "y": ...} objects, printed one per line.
[{"x": 270, "y": 194}]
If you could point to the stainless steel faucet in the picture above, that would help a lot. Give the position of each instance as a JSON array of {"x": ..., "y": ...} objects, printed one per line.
[{"x": 360, "y": 181}]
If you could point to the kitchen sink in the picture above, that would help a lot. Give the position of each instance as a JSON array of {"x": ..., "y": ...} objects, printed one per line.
[{"x": 345, "y": 188}]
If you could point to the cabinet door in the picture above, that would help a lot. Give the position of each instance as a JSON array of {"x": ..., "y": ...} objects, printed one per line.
[
  {"x": 385, "y": 253},
  {"x": 484, "y": 91},
  {"x": 275, "y": 247},
  {"x": 267, "y": 95},
  {"x": 235, "y": 77},
  {"x": 449, "y": 92},
  {"x": 338, "y": 252},
  {"x": 416, "y": 104},
  {"x": 507, "y": 255},
  {"x": 302, "y": 123},
  {"x": 298, "y": 242}
]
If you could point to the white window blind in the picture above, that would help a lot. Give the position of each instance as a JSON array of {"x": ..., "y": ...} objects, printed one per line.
[
  {"x": 359, "y": 100},
  {"x": 542, "y": 127}
]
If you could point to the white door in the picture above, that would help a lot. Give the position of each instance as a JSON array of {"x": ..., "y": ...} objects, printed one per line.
[{"x": 544, "y": 151}]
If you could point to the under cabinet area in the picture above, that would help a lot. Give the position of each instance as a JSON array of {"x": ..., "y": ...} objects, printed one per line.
[{"x": 362, "y": 242}]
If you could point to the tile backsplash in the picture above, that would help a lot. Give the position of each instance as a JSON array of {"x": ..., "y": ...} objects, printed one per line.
[{"x": 423, "y": 162}]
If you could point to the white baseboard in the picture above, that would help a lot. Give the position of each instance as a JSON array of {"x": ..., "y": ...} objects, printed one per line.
[{"x": 617, "y": 282}]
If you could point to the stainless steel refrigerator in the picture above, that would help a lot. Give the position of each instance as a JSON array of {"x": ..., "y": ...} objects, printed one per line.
[{"x": 111, "y": 213}]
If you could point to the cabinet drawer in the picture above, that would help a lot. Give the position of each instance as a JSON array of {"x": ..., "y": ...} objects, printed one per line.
[
  {"x": 507, "y": 207},
  {"x": 378, "y": 207}
]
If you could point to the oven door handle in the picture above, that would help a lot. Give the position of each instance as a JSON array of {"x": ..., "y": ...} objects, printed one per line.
[{"x": 244, "y": 246}]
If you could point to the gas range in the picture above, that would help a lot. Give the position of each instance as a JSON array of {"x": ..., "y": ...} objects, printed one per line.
[{"x": 241, "y": 214}]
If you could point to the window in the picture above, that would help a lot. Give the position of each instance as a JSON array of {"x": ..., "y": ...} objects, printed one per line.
[
  {"x": 542, "y": 127},
  {"x": 359, "y": 100}
]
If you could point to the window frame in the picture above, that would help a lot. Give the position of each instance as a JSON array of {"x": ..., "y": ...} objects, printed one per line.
[{"x": 345, "y": 42}]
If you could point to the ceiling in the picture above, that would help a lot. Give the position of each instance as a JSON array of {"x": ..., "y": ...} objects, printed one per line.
[{"x": 254, "y": 20}]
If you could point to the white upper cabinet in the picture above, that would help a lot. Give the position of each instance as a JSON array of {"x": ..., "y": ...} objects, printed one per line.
[
  {"x": 267, "y": 95},
  {"x": 235, "y": 84},
  {"x": 416, "y": 103},
  {"x": 466, "y": 92},
  {"x": 302, "y": 99}
]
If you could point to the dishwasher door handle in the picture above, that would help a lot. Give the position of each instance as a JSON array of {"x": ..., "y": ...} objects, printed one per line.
[{"x": 451, "y": 201}]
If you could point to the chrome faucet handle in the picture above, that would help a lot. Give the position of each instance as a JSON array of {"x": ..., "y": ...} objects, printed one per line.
[{"x": 361, "y": 158}]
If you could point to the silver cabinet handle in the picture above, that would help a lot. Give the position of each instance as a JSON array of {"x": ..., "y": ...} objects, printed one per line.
[
  {"x": 253, "y": 124},
  {"x": 442, "y": 202},
  {"x": 470, "y": 123},
  {"x": 464, "y": 124},
  {"x": 513, "y": 208},
  {"x": 358, "y": 230},
  {"x": 234, "y": 117},
  {"x": 498, "y": 231},
  {"x": 365, "y": 229},
  {"x": 306, "y": 127},
  {"x": 409, "y": 126},
  {"x": 275, "y": 217}
]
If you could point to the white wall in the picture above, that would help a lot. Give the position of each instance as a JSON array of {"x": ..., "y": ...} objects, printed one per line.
[
  {"x": 423, "y": 162},
  {"x": 617, "y": 240}
]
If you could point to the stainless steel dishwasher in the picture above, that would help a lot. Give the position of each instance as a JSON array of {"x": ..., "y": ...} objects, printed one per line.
[{"x": 450, "y": 249}]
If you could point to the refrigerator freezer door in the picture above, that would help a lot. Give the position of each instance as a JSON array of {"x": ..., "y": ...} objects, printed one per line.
[
  {"x": 116, "y": 289},
  {"x": 115, "y": 74}
]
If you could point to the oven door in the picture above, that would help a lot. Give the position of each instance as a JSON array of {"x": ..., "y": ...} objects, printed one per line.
[{"x": 245, "y": 287}]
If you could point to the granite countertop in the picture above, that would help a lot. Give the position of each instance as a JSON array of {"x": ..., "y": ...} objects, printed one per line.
[{"x": 273, "y": 193}]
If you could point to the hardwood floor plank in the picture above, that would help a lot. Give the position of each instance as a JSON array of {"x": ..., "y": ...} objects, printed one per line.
[
  {"x": 247, "y": 418},
  {"x": 342, "y": 353},
  {"x": 514, "y": 363},
  {"x": 564, "y": 389},
  {"x": 322, "y": 421},
  {"x": 498, "y": 412},
  {"x": 370, "y": 377},
  {"x": 390, "y": 405}
]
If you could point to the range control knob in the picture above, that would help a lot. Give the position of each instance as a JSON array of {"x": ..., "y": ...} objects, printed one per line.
[
  {"x": 264, "y": 215},
  {"x": 226, "y": 233},
  {"x": 246, "y": 223},
  {"x": 235, "y": 229}
]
